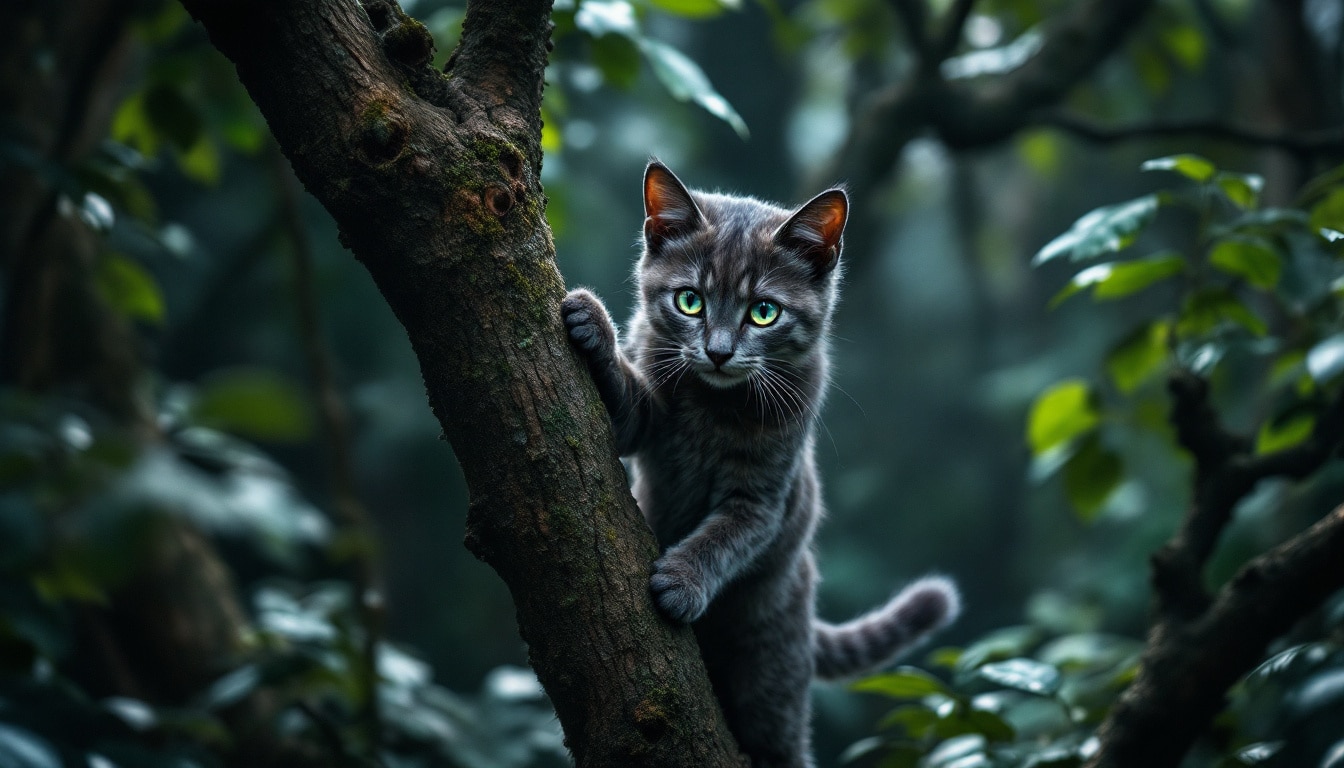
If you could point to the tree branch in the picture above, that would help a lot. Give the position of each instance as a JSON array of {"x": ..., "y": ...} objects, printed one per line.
[
  {"x": 1198, "y": 646},
  {"x": 1188, "y": 667},
  {"x": 952, "y": 26},
  {"x": 1328, "y": 141},
  {"x": 966, "y": 114},
  {"x": 434, "y": 183}
]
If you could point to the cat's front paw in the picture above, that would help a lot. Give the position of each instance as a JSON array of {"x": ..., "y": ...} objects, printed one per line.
[
  {"x": 589, "y": 328},
  {"x": 678, "y": 590}
]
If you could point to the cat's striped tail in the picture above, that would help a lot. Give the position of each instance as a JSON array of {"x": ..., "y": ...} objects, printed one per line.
[{"x": 857, "y": 646}]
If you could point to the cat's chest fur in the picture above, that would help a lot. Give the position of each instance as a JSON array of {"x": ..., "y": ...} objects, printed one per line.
[{"x": 701, "y": 452}]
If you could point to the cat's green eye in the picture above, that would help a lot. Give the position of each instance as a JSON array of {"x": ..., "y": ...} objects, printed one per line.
[
  {"x": 763, "y": 313},
  {"x": 689, "y": 302}
]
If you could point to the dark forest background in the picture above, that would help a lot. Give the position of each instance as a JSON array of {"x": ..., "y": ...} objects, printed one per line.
[{"x": 1000, "y": 410}]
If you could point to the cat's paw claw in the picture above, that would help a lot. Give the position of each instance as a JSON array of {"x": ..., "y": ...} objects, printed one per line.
[
  {"x": 587, "y": 322},
  {"x": 679, "y": 595}
]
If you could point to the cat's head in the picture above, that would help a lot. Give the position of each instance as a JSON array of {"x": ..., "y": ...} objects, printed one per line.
[{"x": 734, "y": 287}]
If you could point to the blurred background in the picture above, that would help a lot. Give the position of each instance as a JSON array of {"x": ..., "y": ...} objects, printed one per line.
[{"x": 216, "y": 369}]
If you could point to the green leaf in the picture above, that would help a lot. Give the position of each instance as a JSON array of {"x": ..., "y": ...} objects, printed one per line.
[
  {"x": 254, "y": 403},
  {"x": 862, "y": 747},
  {"x": 1090, "y": 477},
  {"x": 1325, "y": 361},
  {"x": 131, "y": 126},
  {"x": 1279, "y": 434},
  {"x": 944, "y": 657},
  {"x": 993, "y": 727},
  {"x": 1242, "y": 189},
  {"x": 914, "y": 719},
  {"x": 1140, "y": 355},
  {"x": 904, "y": 683},
  {"x": 201, "y": 162},
  {"x": 1022, "y": 674},
  {"x": 696, "y": 9},
  {"x": 21, "y": 748},
  {"x": 604, "y": 17},
  {"x": 1115, "y": 280},
  {"x": 1248, "y": 258},
  {"x": 1109, "y": 229},
  {"x": 129, "y": 288},
  {"x": 1329, "y": 212},
  {"x": 685, "y": 80},
  {"x": 618, "y": 58},
  {"x": 1000, "y": 644},
  {"x": 1061, "y": 413},
  {"x": 1192, "y": 167},
  {"x": 1186, "y": 44},
  {"x": 1207, "y": 310}
]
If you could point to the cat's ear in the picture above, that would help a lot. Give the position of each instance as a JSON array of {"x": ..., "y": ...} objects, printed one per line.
[
  {"x": 668, "y": 208},
  {"x": 815, "y": 230}
]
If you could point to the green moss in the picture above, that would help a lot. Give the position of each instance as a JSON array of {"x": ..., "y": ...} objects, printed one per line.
[{"x": 409, "y": 42}]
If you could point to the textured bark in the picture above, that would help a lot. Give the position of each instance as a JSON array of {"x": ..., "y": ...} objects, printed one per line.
[{"x": 433, "y": 180}]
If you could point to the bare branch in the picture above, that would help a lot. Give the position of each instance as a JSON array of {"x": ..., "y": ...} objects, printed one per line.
[
  {"x": 954, "y": 23},
  {"x": 1327, "y": 141},
  {"x": 914, "y": 18}
]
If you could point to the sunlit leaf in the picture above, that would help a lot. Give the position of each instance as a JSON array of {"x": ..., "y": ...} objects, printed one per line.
[
  {"x": 1004, "y": 643},
  {"x": 1276, "y": 435},
  {"x": 232, "y": 687},
  {"x": 959, "y": 752},
  {"x": 1254, "y": 260},
  {"x": 254, "y": 403},
  {"x": 21, "y": 748},
  {"x": 1329, "y": 212},
  {"x": 1027, "y": 675},
  {"x": 1061, "y": 413},
  {"x": 201, "y": 162},
  {"x": 1255, "y": 754},
  {"x": 944, "y": 657},
  {"x": 1091, "y": 476},
  {"x": 1108, "y": 229},
  {"x": 1088, "y": 650},
  {"x": 1185, "y": 42},
  {"x": 1325, "y": 361},
  {"x": 1242, "y": 189},
  {"x": 685, "y": 80},
  {"x": 696, "y": 9},
  {"x": 904, "y": 683},
  {"x": 131, "y": 126},
  {"x": 1115, "y": 280},
  {"x": 862, "y": 747},
  {"x": 1140, "y": 355},
  {"x": 129, "y": 288},
  {"x": 1040, "y": 150},
  {"x": 602, "y": 17},
  {"x": 1190, "y": 166}
]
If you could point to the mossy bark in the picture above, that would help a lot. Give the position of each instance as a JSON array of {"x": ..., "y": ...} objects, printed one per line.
[{"x": 433, "y": 180}]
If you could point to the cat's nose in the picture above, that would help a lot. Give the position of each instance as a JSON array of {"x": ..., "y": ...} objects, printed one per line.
[{"x": 718, "y": 357}]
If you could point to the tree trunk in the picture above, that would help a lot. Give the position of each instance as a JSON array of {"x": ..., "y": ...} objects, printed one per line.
[{"x": 433, "y": 180}]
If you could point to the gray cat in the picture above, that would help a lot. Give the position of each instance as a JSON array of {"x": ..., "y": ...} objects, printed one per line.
[{"x": 715, "y": 395}]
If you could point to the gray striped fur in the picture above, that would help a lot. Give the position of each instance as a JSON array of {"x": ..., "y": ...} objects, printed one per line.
[{"x": 722, "y": 454}]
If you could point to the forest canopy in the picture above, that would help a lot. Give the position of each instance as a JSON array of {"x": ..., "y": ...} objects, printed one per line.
[{"x": 1088, "y": 362}]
